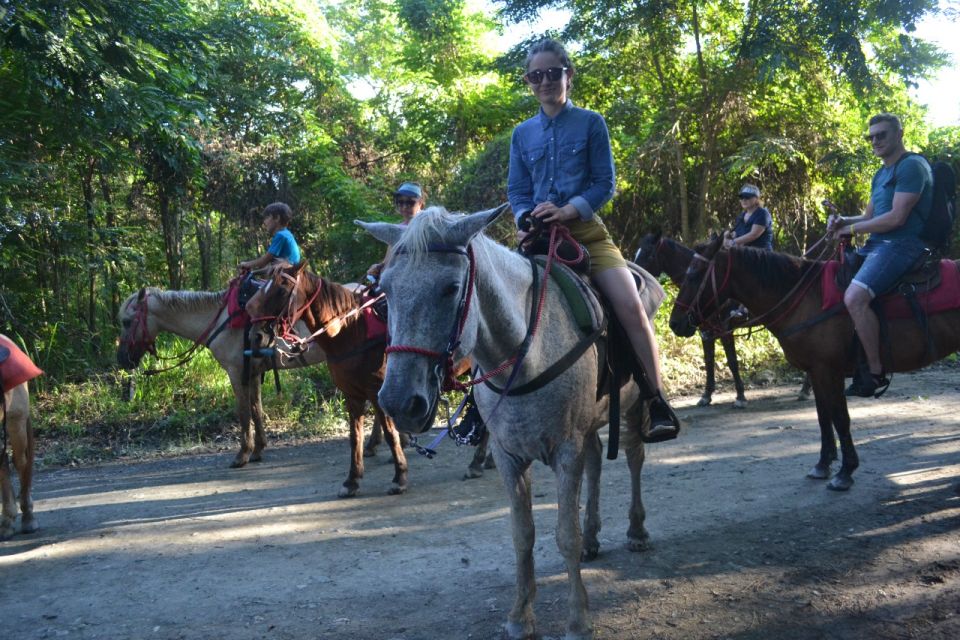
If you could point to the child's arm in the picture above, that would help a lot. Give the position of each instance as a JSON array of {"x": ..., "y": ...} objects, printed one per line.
[{"x": 257, "y": 263}]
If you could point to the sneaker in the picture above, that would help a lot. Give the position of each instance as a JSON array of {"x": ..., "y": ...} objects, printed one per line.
[
  {"x": 872, "y": 385},
  {"x": 664, "y": 423}
]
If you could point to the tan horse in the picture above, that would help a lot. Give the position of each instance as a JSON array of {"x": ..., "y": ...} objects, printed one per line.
[
  {"x": 15, "y": 413},
  {"x": 188, "y": 314}
]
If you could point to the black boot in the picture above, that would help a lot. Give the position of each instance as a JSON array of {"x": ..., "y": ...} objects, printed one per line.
[
  {"x": 664, "y": 423},
  {"x": 868, "y": 385}
]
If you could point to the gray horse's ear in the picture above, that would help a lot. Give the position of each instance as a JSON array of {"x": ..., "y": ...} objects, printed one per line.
[
  {"x": 495, "y": 213},
  {"x": 473, "y": 223},
  {"x": 385, "y": 232}
]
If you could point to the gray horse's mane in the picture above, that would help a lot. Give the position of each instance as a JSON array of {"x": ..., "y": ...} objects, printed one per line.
[{"x": 430, "y": 226}]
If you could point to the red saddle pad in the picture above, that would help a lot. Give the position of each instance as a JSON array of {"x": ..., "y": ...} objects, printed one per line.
[
  {"x": 18, "y": 368},
  {"x": 945, "y": 297},
  {"x": 376, "y": 328}
]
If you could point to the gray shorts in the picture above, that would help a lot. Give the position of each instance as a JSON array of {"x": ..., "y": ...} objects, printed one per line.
[{"x": 885, "y": 262}]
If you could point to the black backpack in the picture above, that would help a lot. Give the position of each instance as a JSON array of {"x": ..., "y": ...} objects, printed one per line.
[{"x": 938, "y": 225}]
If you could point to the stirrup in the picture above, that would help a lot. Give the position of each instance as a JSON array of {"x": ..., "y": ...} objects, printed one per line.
[
  {"x": 873, "y": 386},
  {"x": 664, "y": 423}
]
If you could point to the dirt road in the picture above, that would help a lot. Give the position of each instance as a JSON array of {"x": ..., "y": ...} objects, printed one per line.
[{"x": 745, "y": 545}]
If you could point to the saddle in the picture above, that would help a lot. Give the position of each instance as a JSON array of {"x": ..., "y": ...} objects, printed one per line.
[
  {"x": 238, "y": 295},
  {"x": 923, "y": 275},
  {"x": 932, "y": 288}
]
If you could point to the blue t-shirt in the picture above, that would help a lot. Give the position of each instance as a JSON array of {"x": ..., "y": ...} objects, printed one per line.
[
  {"x": 911, "y": 174},
  {"x": 564, "y": 160},
  {"x": 762, "y": 217},
  {"x": 284, "y": 246}
]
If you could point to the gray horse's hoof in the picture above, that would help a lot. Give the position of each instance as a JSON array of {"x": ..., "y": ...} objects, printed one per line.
[
  {"x": 473, "y": 473},
  {"x": 740, "y": 403},
  {"x": 819, "y": 472},
  {"x": 840, "y": 482},
  {"x": 517, "y": 631},
  {"x": 347, "y": 492},
  {"x": 256, "y": 457},
  {"x": 704, "y": 401},
  {"x": 369, "y": 452},
  {"x": 396, "y": 489},
  {"x": 590, "y": 552},
  {"x": 28, "y": 525},
  {"x": 238, "y": 462}
]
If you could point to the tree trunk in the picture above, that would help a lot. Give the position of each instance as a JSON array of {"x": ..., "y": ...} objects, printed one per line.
[
  {"x": 86, "y": 180},
  {"x": 172, "y": 240},
  {"x": 205, "y": 247}
]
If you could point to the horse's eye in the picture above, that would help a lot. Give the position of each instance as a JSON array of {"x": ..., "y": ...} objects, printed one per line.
[{"x": 451, "y": 289}]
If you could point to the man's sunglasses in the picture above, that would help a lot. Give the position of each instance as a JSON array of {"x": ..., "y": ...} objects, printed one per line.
[
  {"x": 880, "y": 136},
  {"x": 552, "y": 74},
  {"x": 405, "y": 202}
]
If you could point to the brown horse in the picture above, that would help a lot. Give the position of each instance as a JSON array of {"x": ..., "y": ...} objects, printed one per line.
[
  {"x": 784, "y": 294},
  {"x": 659, "y": 254},
  {"x": 356, "y": 361},
  {"x": 18, "y": 430}
]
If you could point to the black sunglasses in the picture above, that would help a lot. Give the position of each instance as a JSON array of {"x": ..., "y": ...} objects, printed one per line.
[
  {"x": 746, "y": 196},
  {"x": 552, "y": 74},
  {"x": 880, "y": 136},
  {"x": 405, "y": 202}
]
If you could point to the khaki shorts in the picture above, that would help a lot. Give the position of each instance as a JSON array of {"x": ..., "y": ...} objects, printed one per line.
[{"x": 593, "y": 234}]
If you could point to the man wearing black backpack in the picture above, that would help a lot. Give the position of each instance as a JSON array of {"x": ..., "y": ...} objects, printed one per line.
[{"x": 901, "y": 194}]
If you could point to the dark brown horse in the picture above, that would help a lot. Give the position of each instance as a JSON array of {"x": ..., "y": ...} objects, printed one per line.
[
  {"x": 784, "y": 294},
  {"x": 331, "y": 313},
  {"x": 659, "y": 254}
]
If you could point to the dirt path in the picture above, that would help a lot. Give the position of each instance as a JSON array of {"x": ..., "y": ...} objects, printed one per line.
[{"x": 745, "y": 545}]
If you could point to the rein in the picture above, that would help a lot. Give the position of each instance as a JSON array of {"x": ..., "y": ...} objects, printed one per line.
[
  {"x": 791, "y": 299},
  {"x": 446, "y": 359},
  {"x": 149, "y": 345},
  {"x": 287, "y": 320}
]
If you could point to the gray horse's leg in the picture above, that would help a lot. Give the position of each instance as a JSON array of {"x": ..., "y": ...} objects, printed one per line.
[
  {"x": 521, "y": 621},
  {"x": 592, "y": 465},
  {"x": 569, "y": 468},
  {"x": 638, "y": 539}
]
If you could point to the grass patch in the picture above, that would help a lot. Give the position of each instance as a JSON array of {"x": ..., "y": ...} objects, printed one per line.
[{"x": 191, "y": 408}]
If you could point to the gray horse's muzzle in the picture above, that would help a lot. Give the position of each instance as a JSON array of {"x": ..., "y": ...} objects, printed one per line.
[{"x": 410, "y": 397}]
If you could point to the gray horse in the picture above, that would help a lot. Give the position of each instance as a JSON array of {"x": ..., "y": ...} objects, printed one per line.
[{"x": 432, "y": 290}]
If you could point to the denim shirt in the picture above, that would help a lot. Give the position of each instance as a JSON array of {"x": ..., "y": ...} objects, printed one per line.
[{"x": 564, "y": 160}]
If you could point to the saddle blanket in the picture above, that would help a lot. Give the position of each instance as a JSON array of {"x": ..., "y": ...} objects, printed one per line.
[
  {"x": 239, "y": 292},
  {"x": 376, "y": 328},
  {"x": 945, "y": 297},
  {"x": 17, "y": 368}
]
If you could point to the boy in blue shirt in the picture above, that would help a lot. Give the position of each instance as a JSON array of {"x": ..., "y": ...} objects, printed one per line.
[{"x": 283, "y": 246}]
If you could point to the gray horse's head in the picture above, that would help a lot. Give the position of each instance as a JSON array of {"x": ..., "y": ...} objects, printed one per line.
[{"x": 426, "y": 281}]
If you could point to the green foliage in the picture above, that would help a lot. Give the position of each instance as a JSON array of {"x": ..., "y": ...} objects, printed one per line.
[{"x": 139, "y": 142}]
